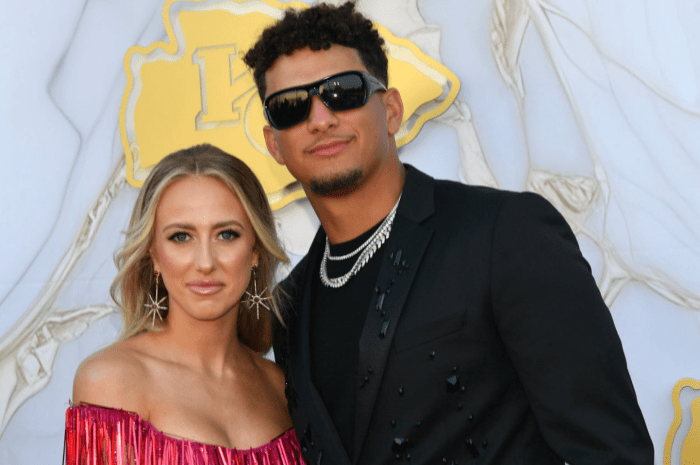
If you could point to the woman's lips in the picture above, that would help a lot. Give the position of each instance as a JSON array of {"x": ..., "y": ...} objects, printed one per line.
[{"x": 205, "y": 287}]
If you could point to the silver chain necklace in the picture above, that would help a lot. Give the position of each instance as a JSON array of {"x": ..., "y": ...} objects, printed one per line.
[{"x": 367, "y": 249}]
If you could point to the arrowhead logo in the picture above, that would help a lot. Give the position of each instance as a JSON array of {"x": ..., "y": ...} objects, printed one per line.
[{"x": 194, "y": 88}]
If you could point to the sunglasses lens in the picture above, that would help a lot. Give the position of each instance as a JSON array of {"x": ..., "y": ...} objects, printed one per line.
[
  {"x": 289, "y": 108},
  {"x": 343, "y": 92}
]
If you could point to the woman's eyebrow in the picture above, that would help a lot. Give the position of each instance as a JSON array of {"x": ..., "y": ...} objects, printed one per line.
[{"x": 190, "y": 227}]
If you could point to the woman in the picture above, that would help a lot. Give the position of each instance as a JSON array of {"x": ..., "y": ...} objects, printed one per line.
[{"x": 185, "y": 383}]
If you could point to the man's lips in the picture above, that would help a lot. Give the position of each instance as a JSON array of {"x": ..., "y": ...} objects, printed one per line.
[
  {"x": 327, "y": 149},
  {"x": 205, "y": 287}
]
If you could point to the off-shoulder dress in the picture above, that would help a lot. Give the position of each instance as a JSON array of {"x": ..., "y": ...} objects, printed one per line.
[{"x": 106, "y": 436}]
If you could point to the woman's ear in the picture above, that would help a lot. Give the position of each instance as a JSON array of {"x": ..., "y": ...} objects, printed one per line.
[
  {"x": 154, "y": 259},
  {"x": 256, "y": 257}
]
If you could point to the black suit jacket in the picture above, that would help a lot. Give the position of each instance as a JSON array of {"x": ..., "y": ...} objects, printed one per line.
[{"x": 488, "y": 343}]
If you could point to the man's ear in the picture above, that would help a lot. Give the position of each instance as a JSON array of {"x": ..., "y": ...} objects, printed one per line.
[
  {"x": 394, "y": 110},
  {"x": 271, "y": 143}
]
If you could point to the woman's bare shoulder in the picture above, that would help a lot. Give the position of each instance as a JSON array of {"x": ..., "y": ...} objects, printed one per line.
[
  {"x": 273, "y": 373},
  {"x": 113, "y": 377}
]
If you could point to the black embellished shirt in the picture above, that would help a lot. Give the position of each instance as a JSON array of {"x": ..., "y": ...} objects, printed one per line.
[{"x": 337, "y": 318}]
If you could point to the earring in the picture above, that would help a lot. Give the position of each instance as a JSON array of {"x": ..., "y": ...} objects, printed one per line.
[
  {"x": 154, "y": 307},
  {"x": 256, "y": 299}
]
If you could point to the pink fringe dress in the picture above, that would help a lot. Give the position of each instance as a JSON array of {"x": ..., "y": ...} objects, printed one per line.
[{"x": 106, "y": 436}]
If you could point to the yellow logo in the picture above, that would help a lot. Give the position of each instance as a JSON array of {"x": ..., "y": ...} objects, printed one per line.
[
  {"x": 194, "y": 88},
  {"x": 683, "y": 441}
]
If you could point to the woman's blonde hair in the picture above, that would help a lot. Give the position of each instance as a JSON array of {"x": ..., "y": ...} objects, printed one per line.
[{"x": 136, "y": 278}]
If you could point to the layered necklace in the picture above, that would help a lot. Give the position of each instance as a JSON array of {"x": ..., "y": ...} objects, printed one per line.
[{"x": 366, "y": 251}]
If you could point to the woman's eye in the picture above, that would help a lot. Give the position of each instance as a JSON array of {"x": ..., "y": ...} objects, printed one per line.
[
  {"x": 179, "y": 237},
  {"x": 229, "y": 235}
]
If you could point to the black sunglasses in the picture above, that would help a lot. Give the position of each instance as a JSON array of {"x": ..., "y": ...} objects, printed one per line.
[{"x": 339, "y": 92}]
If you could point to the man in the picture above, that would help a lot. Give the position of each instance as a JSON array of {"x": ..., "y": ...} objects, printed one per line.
[{"x": 430, "y": 322}]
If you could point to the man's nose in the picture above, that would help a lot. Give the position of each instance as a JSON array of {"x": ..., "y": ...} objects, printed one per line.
[{"x": 321, "y": 118}]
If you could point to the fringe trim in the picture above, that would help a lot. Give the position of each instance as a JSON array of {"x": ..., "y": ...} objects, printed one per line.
[{"x": 105, "y": 436}]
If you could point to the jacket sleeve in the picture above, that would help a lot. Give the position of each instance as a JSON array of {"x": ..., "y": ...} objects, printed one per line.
[
  {"x": 287, "y": 294},
  {"x": 562, "y": 340}
]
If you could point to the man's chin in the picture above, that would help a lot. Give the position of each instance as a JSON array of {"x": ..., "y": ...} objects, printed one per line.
[{"x": 337, "y": 185}]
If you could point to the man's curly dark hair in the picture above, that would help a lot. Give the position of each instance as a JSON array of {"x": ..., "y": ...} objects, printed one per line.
[{"x": 318, "y": 28}]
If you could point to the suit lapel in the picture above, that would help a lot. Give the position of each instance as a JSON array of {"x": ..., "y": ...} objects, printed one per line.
[
  {"x": 322, "y": 430},
  {"x": 403, "y": 253}
]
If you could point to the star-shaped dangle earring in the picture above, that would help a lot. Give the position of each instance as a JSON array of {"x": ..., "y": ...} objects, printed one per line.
[
  {"x": 154, "y": 307},
  {"x": 257, "y": 299}
]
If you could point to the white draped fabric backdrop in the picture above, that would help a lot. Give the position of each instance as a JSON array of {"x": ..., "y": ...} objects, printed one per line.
[{"x": 595, "y": 104}]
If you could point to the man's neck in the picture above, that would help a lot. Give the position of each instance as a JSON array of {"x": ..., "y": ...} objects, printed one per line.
[{"x": 345, "y": 217}]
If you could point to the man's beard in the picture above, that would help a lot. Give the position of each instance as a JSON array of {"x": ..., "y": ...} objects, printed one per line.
[{"x": 339, "y": 184}]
